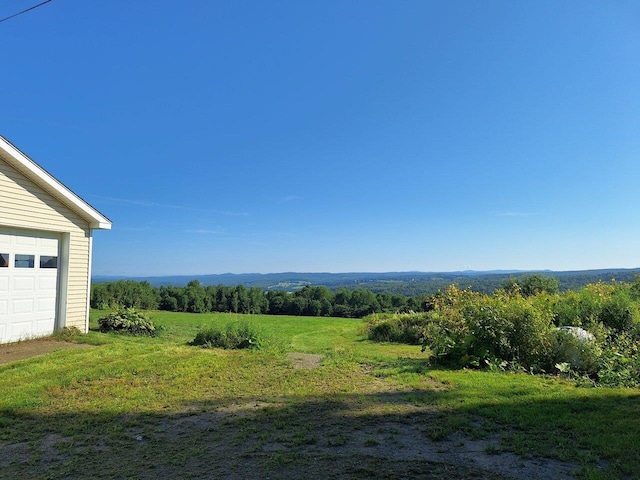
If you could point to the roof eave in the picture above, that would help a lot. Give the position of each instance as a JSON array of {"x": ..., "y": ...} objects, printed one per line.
[
  {"x": 100, "y": 225},
  {"x": 40, "y": 175}
]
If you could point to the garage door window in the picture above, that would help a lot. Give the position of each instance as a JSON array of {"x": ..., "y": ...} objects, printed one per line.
[
  {"x": 24, "y": 261},
  {"x": 4, "y": 260},
  {"x": 48, "y": 261}
]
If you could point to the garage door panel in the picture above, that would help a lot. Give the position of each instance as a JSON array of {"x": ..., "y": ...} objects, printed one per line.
[
  {"x": 42, "y": 327},
  {"x": 5, "y": 240},
  {"x": 22, "y": 241},
  {"x": 47, "y": 284},
  {"x": 22, "y": 284},
  {"x": 23, "y": 306},
  {"x": 46, "y": 305},
  {"x": 20, "y": 330},
  {"x": 48, "y": 246},
  {"x": 28, "y": 295}
]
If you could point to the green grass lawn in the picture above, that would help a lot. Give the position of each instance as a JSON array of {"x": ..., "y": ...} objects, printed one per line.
[{"x": 135, "y": 407}]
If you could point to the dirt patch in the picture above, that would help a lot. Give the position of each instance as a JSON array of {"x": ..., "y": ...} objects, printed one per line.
[
  {"x": 304, "y": 360},
  {"x": 261, "y": 439},
  {"x": 11, "y": 352},
  {"x": 252, "y": 441}
]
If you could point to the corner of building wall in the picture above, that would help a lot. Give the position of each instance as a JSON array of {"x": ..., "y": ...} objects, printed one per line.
[
  {"x": 63, "y": 280},
  {"x": 86, "y": 322}
]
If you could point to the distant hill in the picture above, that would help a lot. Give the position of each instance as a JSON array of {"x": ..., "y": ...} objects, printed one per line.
[{"x": 405, "y": 283}]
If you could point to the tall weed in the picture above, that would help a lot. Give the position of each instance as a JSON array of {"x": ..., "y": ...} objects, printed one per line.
[{"x": 235, "y": 336}]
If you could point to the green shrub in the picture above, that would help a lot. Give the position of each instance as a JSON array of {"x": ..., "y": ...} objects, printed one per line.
[
  {"x": 511, "y": 329},
  {"x": 567, "y": 310},
  {"x": 612, "y": 305},
  {"x": 581, "y": 309},
  {"x": 128, "y": 320},
  {"x": 480, "y": 330},
  {"x": 400, "y": 327},
  {"x": 446, "y": 333},
  {"x": 619, "y": 363},
  {"x": 445, "y": 337},
  {"x": 235, "y": 336},
  {"x": 507, "y": 330},
  {"x": 619, "y": 311}
]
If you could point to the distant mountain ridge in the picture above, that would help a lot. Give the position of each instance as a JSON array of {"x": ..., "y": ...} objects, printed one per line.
[{"x": 406, "y": 283}]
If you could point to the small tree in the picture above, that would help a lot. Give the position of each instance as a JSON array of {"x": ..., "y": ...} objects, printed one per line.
[{"x": 532, "y": 285}]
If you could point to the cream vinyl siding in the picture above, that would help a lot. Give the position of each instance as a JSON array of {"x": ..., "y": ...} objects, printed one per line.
[{"x": 26, "y": 205}]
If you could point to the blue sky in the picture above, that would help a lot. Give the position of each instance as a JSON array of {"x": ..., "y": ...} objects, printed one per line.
[{"x": 257, "y": 136}]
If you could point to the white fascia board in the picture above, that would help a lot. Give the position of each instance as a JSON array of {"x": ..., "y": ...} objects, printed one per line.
[{"x": 34, "y": 171}]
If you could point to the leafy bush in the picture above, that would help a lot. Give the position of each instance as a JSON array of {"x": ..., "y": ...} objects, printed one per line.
[
  {"x": 235, "y": 336},
  {"x": 578, "y": 309},
  {"x": 612, "y": 305},
  {"x": 619, "y": 363},
  {"x": 128, "y": 320},
  {"x": 508, "y": 330},
  {"x": 620, "y": 312},
  {"x": 399, "y": 327},
  {"x": 446, "y": 332},
  {"x": 486, "y": 330}
]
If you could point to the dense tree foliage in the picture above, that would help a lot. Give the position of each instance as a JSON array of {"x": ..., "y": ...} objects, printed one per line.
[
  {"x": 196, "y": 298},
  {"x": 532, "y": 285},
  {"x": 124, "y": 293}
]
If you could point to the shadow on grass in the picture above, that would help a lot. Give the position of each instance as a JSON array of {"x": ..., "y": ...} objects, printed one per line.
[{"x": 426, "y": 434}]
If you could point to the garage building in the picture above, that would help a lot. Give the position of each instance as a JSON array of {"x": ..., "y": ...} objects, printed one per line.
[{"x": 45, "y": 250}]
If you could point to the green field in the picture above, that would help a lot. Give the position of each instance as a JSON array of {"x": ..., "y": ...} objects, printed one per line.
[{"x": 134, "y": 407}]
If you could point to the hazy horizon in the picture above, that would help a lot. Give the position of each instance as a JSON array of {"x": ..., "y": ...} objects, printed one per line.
[{"x": 399, "y": 272}]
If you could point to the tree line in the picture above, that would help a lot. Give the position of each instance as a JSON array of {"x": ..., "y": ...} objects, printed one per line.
[{"x": 197, "y": 298}]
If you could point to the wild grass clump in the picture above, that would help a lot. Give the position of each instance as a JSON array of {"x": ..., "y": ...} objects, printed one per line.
[
  {"x": 234, "y": 336},
  {"x": 67, "y": 334},
  {"x": 128, "y": 320}
]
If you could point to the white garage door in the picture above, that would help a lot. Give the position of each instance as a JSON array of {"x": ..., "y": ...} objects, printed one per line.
[{"x": 28, "y": 284}]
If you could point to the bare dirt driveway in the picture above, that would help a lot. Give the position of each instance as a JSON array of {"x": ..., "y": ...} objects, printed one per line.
[{"x": 11, "y": 352}]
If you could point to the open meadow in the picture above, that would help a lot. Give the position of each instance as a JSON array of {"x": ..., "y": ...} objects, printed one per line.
[{"x": 317, "y": 400}]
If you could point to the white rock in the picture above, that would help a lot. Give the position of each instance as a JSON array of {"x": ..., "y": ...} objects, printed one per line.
[{"x": 579, "y": 333}]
